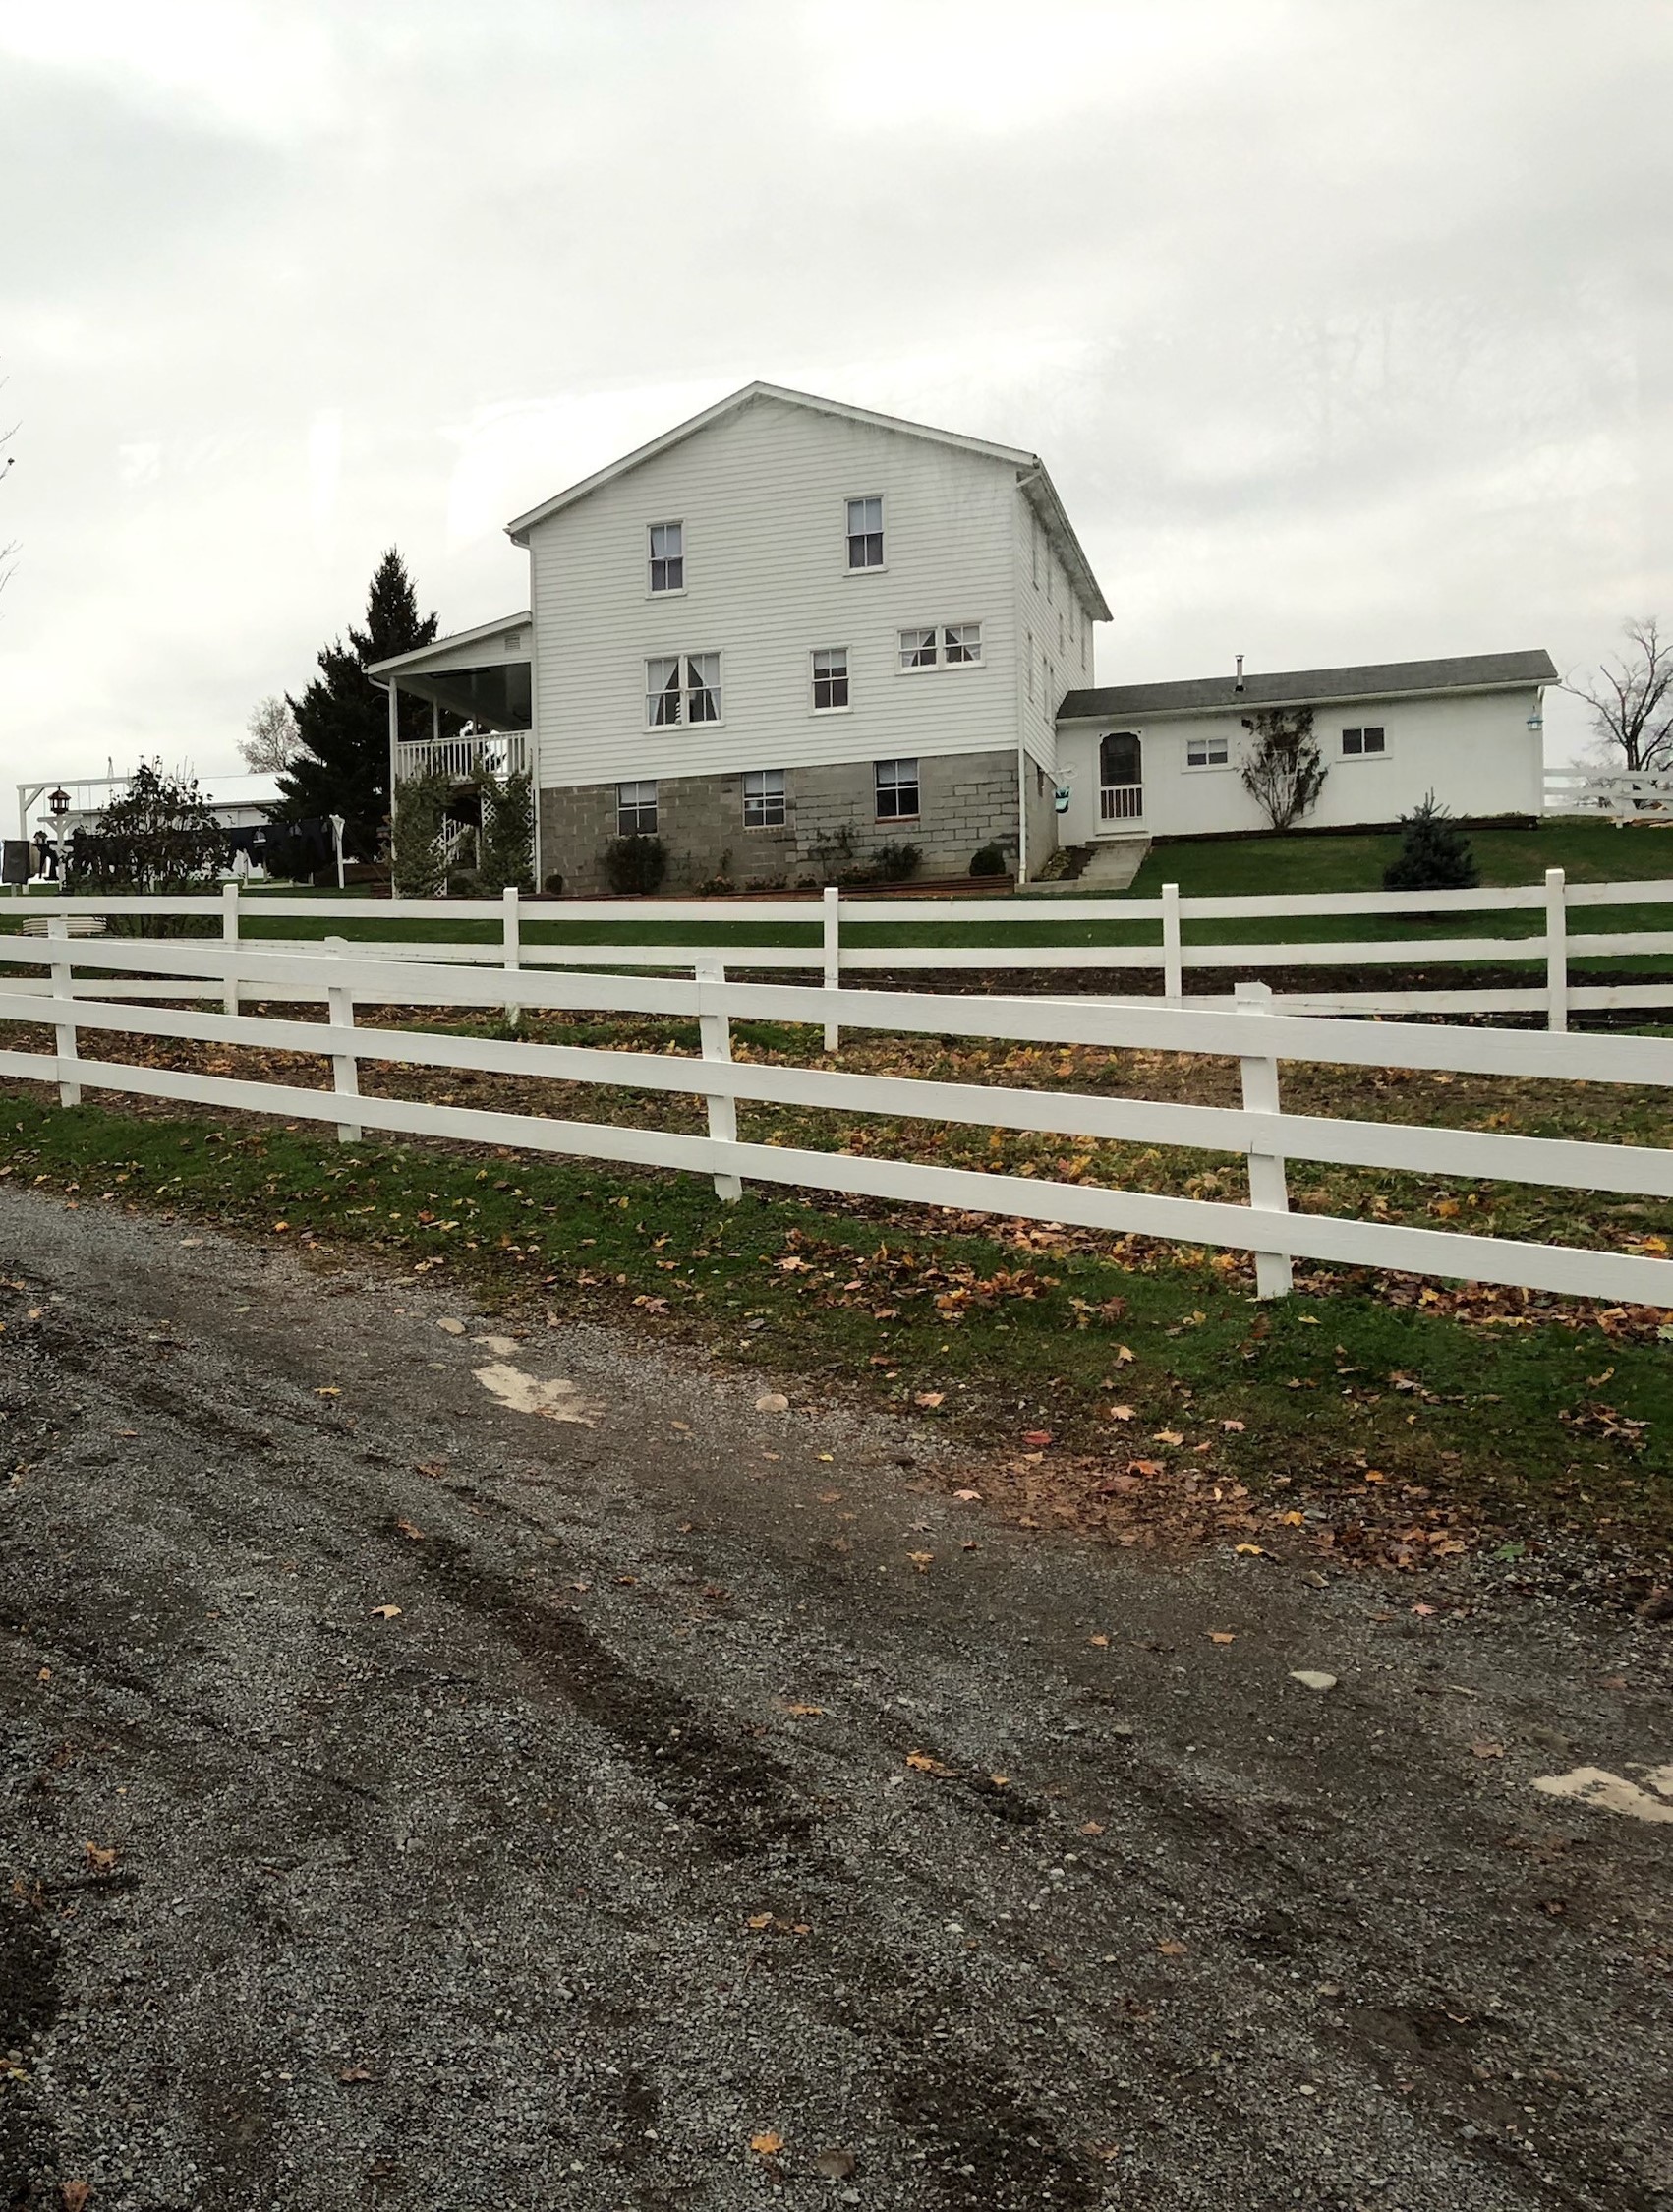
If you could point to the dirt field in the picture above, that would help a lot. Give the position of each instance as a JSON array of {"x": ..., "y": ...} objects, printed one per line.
[{"x": 657, "y": 1799}]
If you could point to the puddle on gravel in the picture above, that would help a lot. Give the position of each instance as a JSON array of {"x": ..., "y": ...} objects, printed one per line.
[{"x": 1595, "y": 1785}]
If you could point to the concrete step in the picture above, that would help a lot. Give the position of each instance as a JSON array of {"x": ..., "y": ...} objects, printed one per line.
[{"x": 1113, "y": 864}]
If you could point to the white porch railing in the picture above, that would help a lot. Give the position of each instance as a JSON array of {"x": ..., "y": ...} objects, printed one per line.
[
  {"x": 1626, "y": 798},
  {"x": 1121, "y": 803},
  {"x": 505, "y": 751}
]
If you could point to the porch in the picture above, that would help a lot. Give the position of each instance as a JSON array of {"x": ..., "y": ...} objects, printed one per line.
[{"x": 481, "y": 679}]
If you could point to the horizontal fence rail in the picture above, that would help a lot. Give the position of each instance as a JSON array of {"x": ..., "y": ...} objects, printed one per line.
[
  {"x": 1260, "y": 1039},
  {"x": 1174, "y": 943}
]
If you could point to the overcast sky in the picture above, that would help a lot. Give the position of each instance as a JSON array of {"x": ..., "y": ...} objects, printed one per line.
[{"x": 1344, "y": 327}]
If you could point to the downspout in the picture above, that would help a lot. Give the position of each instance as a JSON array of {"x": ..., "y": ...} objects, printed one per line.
[{"x": 394, "y": 736}]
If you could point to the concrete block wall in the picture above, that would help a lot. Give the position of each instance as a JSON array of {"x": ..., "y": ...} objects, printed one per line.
[{"x": 965, "y": 800}]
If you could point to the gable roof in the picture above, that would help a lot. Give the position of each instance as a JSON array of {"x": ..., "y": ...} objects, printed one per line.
[
  {"x": 1031, "y": 472},
  {"x": 1312, "y": 688}
]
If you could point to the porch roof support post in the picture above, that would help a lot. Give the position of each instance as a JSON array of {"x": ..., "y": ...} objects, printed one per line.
[{"x": 395, "y": 739}]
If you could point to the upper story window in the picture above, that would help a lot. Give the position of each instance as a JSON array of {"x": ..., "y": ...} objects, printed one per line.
[
  {"x": 636, "y": 810},
  {"x": 1030, "y": 637},
  {"x": 830, "y": 679},
  {"x": 763, "y": 798},
  {"x": 962, "y": 643},
  {"x": 948, "y": 645},
  {"x": 1206, "y": 752},
  {"x": 865, "y": 533},
  {"x": 897, "y": 790},
  {"x": 1358, "y": 742},
  {"x": 682, "y": 687},
  {"x": 917, "y": 649},
  {"x": 668, "y": 556}
]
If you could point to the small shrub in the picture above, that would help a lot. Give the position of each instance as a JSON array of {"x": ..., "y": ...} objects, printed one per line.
[
  {"x": 552, "y": 885},
  {"x": 635, "y": 865},
  {"x": 894, "y": 863},
  {"x": 989, "y": 861},
  {"x": 1432, "y": 856}
]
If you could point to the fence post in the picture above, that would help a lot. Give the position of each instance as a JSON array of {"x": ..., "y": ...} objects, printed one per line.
[
  {"x": 833, "y": 959},
  {"x": 229, "y": 936},
  {"x": 1173, "y": 966},
  {"x": 716, "y": 1030},
  {"x": 514, "y": 931},
  {"x": 345, "y": 1068},
  {"x": 1267, "y": 1192},
  {"x": 64, "y": 994},
  {"x": 1556, "y": 949}
]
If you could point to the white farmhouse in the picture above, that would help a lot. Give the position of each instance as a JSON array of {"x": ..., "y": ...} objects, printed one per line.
[{"x": 790, "y": 635}]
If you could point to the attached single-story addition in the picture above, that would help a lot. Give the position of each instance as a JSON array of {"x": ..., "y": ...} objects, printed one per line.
[{"x": 1164, "y": 759}]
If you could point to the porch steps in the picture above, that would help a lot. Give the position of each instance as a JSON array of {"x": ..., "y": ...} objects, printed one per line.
[{"x": 1113, "y": 863}]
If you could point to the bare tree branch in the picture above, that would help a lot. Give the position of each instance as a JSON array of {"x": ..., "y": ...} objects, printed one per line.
[{"x": 1632, "y": 701}]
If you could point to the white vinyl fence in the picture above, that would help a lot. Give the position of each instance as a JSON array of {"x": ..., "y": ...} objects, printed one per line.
[
  {"x": 1172, "y": 949},
  {"x": 1624, "y": 795},
  {"x": 1258, "y": 1038}
]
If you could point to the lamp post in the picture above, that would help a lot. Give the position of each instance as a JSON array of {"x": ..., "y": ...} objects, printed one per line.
[{"x": 58, "y": 805}]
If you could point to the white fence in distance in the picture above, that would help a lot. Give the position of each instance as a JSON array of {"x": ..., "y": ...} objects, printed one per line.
[
  {"x": 1260, "y": 1039},
  {"x": 1622, "y": 796},
  {"x": 1555, "y": 946}
]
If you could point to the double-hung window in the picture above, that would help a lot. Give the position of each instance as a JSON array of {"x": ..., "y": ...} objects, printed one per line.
[
  {"x": 962, "y": 643},
  {"x": 763, "y": 798},
  {"x": 636, "y": 810},
  {"x": 1356, "y": 743},
  {"x": 830, "y": 679},
  {"x": 668, "y": 556},
  {"x": 682, "y": 687},
  {"x": 865, "y": 533},
  {"x": 917, "y": 648},
  {"x": 897, "y": 790},
  {"x": 1206, "y": 752}
]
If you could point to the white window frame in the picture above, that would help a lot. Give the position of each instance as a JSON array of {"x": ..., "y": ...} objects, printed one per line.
[
  {"x": 684, "y": 691},
  {"x": 653, "y": 590},
  {"x": 816, "y": 674},
  {"x": 765, "y": 798},
  {"x": 967, "y": 652},
  {"x": 1208, "y": 764},
  {"x": 852, "y": 568},
  {"x": 638, "y": 786},
  {"x": 928, "y": 635},
  {"x": 1362, "y": 751},
  {"x": 914, "y": 783}
]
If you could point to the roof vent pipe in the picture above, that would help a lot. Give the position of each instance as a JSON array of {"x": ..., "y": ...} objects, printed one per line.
[{"x": 1240, "y": 682}]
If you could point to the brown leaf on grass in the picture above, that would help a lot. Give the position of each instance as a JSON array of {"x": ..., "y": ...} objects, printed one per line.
[
  {"x": 387, "y": 1612},
  {"x": 1488, "y": 1750},
  {"x": 1037, "y": 1438},
  {"x": 413, "y": 1535},
  {"x": 1123, "y": 1412},
  {"x": 767, "y": 2142},
  {"x": 1221, "y": 1636},
  {"x": 433, "y": 1469},
  {"x": 355, "y": 2073},
  {"x": 930, "y": 1398},
  {"x": 73, "y": 2195},
  {"x": 805, "y": 1712},
  {"x": 1233, "y": 1427},
  {"x": 1170, "y": 1948},
  {"x": 1125, "y": 1355},
  {"x": 968, "y": 1498},
  {"x": 1102, "y": 1642},
  {"x": 99, "y": 1860},
  {"x": 758, "y": 1920},
  {"x": 1166, "y": 1436},
  {"x": 1144, "y": 1466},
  {"x": 1091, "y": 1828},
  {"x": 922, "y": 1561},
  {"x": 921, "y": 1763}
]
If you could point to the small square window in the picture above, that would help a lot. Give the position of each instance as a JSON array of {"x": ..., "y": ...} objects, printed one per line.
[
  {"x": 897, "y": 790},
  {"x": 865, "y": 533},
  {"x": 668, "y": 556},
  {"x": 1205, "y": 752},
  {"x": 963, "y": 643},
  {"x": 763, "y": 798},
  {"x": 1356, "y": 743},
  {"x": 917, "y": 649},
  {"x": 636, "y": 810},
  {"x": 830, "y": 679}
]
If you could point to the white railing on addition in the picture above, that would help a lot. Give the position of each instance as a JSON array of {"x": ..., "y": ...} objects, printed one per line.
[
  {"x": 72, "y": 1005},
  {"x": 505, "y": 751}
]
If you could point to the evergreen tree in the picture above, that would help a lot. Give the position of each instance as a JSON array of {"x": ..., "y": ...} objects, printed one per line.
[
  {"x": 342, "y": 719},
  {"x": 1432, "y": 854}
]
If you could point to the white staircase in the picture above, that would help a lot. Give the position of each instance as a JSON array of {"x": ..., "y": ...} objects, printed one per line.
[{"x": 1113, "y": 864}]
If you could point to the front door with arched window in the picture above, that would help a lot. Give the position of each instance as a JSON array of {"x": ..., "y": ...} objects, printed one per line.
[{"x": 1121, "y": 776}]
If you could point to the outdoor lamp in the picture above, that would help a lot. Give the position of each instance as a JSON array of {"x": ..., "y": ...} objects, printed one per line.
[{"x": 59, "y": 803}]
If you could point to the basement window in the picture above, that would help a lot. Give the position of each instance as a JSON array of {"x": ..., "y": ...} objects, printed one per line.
[{"x": 636, "y": 810}]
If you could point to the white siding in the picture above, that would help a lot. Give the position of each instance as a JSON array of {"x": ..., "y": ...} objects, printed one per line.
[
  {"x": 762, "y": 494},
  {"x": 1053, "y": 624},
  {"x": 1474, "y": 750}
]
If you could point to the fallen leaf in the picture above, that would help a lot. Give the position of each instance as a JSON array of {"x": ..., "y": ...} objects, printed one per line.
[
  {"x": 73, "y": 2195},
  {"x": 1125, "y": 1355},
  {"x": 1037, "y": 1438},
  {"x": 968, "y": 1498},
  {"x": 1124, "y": 1412},
  {"x": 1425, "y": 1611},
  {"x": 1221, "y": 1636},
  {"x": 758, "y": 1920},
  {"x": 413, "y": 1535},
  {"x": 1170, "y": 1948},
  {"x": 387, "y": 1612},
  {"x": 1102, "y": 1642},
  {"x": 1144, "y": 1466},
  {"x": 99, "y": 1860},
  {"x": 454, "y": 1329},
  {"x": 1488, "y": 1750},
  {"x": 355, "y": 2073},
  {"x": 923, "y": 1764},
  {"x": 805, "y": 1712},
  {"x": 1166, "y": 1436},
  {"x": 1091, "y": 1828},
  {"x": 930, "y": 1398},
  {"x": 771, "y": 1401},
  {"x": 922, "y": 1561},
  {"x": 327, "y": 1390},
  {"x": 1249, "y": 1551},
  {"x": 1233, "y": 1427},
  {"x": 767, "y": 2142}
]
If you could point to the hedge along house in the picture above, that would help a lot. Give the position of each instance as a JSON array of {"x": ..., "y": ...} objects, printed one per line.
[
  {"x": 1166, "y": 759},
  {"x": 786, "y": 634}
]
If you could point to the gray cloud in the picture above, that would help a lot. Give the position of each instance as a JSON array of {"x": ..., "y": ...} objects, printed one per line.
[{"x": 1343, "y": 329}]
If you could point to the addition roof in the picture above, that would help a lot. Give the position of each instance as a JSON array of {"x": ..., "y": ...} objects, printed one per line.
[
  {"x": 1311, "y": 687},
  {"x": 1031, "y": 471}
]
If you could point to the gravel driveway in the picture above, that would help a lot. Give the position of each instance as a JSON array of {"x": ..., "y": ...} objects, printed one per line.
[{"x": 448, "y": 1770}]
